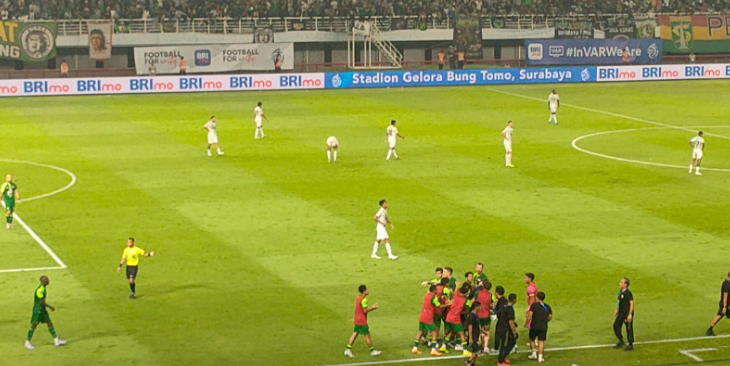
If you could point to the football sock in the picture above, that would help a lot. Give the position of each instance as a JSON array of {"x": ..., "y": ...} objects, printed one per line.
[
  {"x": 375, "y": 248},
  {"x": 328, "y": 155},
  {"x": 555, "y": 119},
  {"x": 394, "y": 154},
  {"x": 697, "y": 170},
  {"x": 415, "y": 344},
  {"x": 690, "y": 168},
  {"x": 219, "y": 151},
  {"x": 464, "y": 345},
  {"x": 9, "y": 219},
  {"x": 53, "y": 332},
  {"x": 262, "y": 132},
  {"x": 132, "y": 287},
  {"x": 30, "y": 334},
  {"x": 335, "y": 155},
  {"x": 372, "y": 348},
  {"x": 387, "y": 247},
  {"x": 390, "y": 152},
  {"x": 349, "y": 346}
]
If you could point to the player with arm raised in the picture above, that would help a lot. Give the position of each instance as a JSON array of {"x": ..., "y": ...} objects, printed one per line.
[
  {"x": 553, "y": 105},
  {"x": 211, "y": 127},
  {"x": 698, "y": 148},
  {"x": 258, "y": 118},
  {"x": 391, "y": 133},
  {"x": 507, "y": 135}
]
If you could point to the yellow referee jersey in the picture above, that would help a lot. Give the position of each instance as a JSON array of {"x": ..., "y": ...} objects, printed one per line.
[{"x": 132, "y": 255}]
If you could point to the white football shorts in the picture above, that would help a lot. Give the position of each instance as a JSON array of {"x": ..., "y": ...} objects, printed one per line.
[
  {"x": 508, "y": 146},
  {"x": 382, "y": 234}
]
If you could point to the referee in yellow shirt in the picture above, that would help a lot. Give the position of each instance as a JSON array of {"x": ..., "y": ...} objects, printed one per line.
[{"x": 131, "y": 256}]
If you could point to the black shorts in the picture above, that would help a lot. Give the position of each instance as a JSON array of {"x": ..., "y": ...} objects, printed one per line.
[
  {"x": 719, "y": 310},
  {"x": 132, "y": 271},
  {"x": 540, "y": 335}
]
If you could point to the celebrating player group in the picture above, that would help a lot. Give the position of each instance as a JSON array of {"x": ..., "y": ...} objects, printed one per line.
[{"x": 467, "y": 309}]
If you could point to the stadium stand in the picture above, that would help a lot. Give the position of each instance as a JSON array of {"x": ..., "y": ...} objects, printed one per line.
[{"x": 439, "y": 10}]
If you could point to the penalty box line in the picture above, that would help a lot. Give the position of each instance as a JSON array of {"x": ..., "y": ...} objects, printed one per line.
[
  {"x": 43, "y": 245},
  {"x": 557, "y": 349}
]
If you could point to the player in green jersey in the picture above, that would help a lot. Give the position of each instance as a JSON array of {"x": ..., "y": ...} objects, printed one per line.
[
  {"x": 40, "y": 314},
  {"x": 11, "y": 196}
]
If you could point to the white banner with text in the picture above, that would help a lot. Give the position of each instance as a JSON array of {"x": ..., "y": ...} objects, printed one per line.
[{"x": 213, "y": 58}]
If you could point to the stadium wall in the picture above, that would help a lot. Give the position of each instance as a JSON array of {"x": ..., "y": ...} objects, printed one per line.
[{"x": 367, "y": 79}]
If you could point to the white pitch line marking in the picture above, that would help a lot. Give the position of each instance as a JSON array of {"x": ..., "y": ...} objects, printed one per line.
[
  {"x": 691, "y": 353},
  {"x": 29, "y": 269},
  {"x": 692, "y": 129},
  {"x": 40, "y": 241},
  {"x": 574, "y": 143},
  {"x": 28, "y": 229},
  {"x": 66, "y": 171},
  {"x": 574, "y": 348}
]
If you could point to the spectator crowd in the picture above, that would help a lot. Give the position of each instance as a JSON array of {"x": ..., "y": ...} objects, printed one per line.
[{"x": 439, "y": 9}]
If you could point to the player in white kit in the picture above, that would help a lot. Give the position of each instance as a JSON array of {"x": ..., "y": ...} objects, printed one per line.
[
  {"x": 211, "y": 127},
  {"x": 332, "y": 145},
  {"x": 258, "y": 118},
  {"x": 381, "y": 233},
  {"x": 698, "y": 147},
  {"x": 553, "y": 105},
  {"x": 391, "y": 133},
  {"x": 507, "y": 135}
]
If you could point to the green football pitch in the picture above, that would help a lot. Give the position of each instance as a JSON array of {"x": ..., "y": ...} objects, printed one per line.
[{"x": 260, "y": 252}]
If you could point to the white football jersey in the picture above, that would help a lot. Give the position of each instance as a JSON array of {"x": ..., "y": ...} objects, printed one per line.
[
  {"x": 553, "y": 99},
  {"x": 697, "y": 142},
  {"x": 392, "y": 132},
  {"x": 382, "y": 216},
  {"x": 211, "y": 126},
  {"x": 258, "y": 112},
  {"x": 507, "y": 133}
]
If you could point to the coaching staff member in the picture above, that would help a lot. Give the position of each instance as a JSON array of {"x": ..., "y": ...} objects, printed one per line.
[
  {"x": 539, "y": 314},
  {"x": 499, "y": 306},
  {"x": 724, "y": 310},
  {"x": 507, "y": 327},
  {"x": 624, "y": 315}
]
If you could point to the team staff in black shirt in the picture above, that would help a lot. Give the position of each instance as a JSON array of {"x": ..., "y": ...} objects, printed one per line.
[
  {"x": 507, "y": 327},
  {"x": 474, "y": 328},
  {"x": 624, "y": 315},
  {"x": 539, "y": 314},
  {"x": 498, "y": 306},
  {"x": 724, "y": 310}
]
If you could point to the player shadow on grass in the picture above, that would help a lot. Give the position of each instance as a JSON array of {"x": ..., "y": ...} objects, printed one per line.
[{"x": 161, "y": 290}]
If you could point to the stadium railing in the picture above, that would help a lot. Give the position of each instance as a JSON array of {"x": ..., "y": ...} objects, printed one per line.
[{"x": 328, "y": 24}]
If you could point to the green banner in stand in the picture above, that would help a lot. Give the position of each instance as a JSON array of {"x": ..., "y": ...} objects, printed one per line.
[{"x": 27, "y": 41}]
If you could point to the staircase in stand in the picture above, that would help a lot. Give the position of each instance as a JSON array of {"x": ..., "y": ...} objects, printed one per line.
[{"x": 385, "y": 47}]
